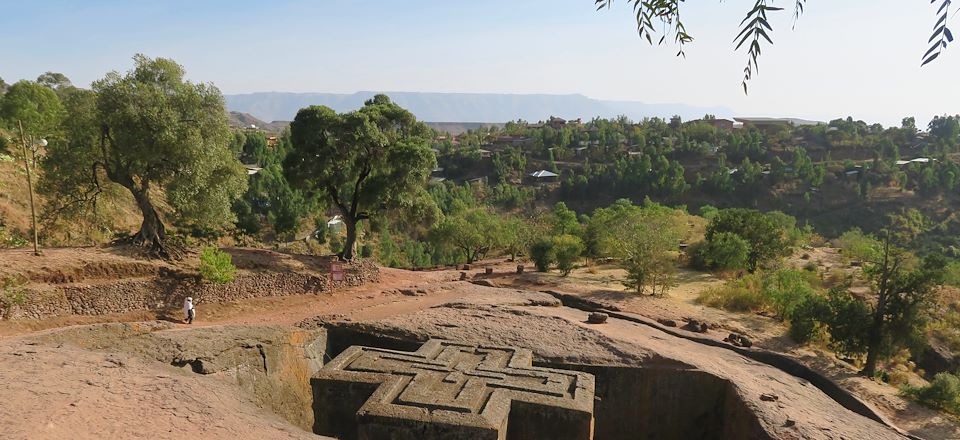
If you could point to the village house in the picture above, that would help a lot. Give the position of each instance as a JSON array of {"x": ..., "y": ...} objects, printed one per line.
[{"x": 720, "y": 123}]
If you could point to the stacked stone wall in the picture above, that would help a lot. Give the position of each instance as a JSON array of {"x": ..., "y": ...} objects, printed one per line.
[{"x": 168, "y": 289}]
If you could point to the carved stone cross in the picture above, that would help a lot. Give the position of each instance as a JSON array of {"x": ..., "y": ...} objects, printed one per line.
[{"x": 449, "y": 390}]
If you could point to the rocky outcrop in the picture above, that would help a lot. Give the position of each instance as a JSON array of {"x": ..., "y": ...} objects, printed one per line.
[{"x": 271, "y": 365}]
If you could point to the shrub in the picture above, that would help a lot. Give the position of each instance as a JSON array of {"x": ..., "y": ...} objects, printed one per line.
[
  {"x": 12, "y": 292},
  {"x": 849, "y": 321},
  {"x": 805, "y": 324},
  {"x": 743, "y": 295},
  {"x": 542, "y": 253},
  {"x": 787, "y": 288},
  {"x": 366, "y": 250},
  {"x": 952, "y": 274},
  {"x": 11, "y": 240},
  {"x": 724, "y": 251},
  {"x": 855, "y": 245},
  {"x": 566, "y": 249},
  {"x": 336, "y": 244},
  {"x": 216, "y": 266},
  {"x": 942, "y": 393},
  {"x": 708, "y": 212}
]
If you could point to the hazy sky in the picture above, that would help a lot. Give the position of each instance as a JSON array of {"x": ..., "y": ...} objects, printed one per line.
[{"x": 850, "y": 57}]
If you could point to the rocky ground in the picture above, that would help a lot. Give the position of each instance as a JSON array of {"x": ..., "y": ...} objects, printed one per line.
[{"x": 216, "y": 378}]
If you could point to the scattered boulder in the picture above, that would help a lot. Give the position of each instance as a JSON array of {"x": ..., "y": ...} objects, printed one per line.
[
  {"x": 413, "y": 292},
  {"x": 463, "y": 276},
  {"x": 486, "y": 283},
  {"x": 938, "y": 358},
  {"x": 519, "y": 268},
  {"x": 695, "y": 325},
  {"x": 597, "y": 318},
  {"x": 667, "y": 322},
  {"x": 489, "y": 271},
  {"x": 738, "y": 340},
  {"x": 769, "y": 397}
]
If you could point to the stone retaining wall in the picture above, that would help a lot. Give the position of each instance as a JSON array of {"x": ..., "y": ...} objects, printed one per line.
[{"x": 169, "y": 289}]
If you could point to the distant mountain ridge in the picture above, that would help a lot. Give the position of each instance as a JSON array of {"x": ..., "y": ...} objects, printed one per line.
[{"x": 466, "y": 107}]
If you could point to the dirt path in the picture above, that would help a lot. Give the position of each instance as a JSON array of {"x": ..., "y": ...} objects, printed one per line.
[{"x": 381, "y": 299}]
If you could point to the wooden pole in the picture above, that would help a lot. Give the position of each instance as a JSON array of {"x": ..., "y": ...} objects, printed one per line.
[{"x": 33, "y": 211}]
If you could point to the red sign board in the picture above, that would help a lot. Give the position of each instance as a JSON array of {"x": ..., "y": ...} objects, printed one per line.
[{"x": 336, "y": 271}]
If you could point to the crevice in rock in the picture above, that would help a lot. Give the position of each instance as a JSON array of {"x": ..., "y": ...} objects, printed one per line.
[
  {"x": 196, "y": 365},
  {"x": 775, "y": 360},
  {"x": 263, "y": 356}
]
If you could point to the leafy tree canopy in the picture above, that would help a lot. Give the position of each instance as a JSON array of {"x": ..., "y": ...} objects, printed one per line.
[
  {"x": 35, "y": 106},
  {"x": 163, "y": 138},
  {"x": 55, "y": 81},
  {"x": 364, "y": 162},
  {"x": 763, "y": 232}
]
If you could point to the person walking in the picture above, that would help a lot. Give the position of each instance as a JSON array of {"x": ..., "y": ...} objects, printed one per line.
[{"x": 189, "y": 312}]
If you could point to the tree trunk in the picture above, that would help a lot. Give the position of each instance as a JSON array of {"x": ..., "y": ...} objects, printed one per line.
[
  {"x": 348, "y": 245},
  {"x": 873, "y": 345},
  {"x": 152, "y": 232},
  {"x": 875, "y": 336}
]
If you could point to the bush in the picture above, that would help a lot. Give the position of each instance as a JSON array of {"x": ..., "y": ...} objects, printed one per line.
[
  {"x": 366, "y": 250},
  {"x": 743, "y": 295},
  {"x": 336, "y": 244},
  {"x": 567, "y": 250},
  {"x": 952, "y": 274},
  {"x": 857, "y": 246},
  {"x": 805, "y": 324},
  {"x": 943, "y": 393},
  {"x": 788, "y": 288},
  {"x": 849, "y": 322},
  {"x": 10, "y": 240},
  {"x": 724, "y": 251},
  {"x": 216, "y": 266},
  {"x": 708, "y": 211},
  {"x": 12, "y": 293},
  {"x": 542, "y": 253}
]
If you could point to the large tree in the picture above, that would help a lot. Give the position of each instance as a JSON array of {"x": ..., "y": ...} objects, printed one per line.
[
  {"x": 364, "y": 162},
  {"x": 904, "y": 297},
  {"x": 164, "y": 139}
]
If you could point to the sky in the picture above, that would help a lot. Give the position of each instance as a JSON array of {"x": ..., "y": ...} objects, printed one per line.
[{"x": 853, "y": 57}]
